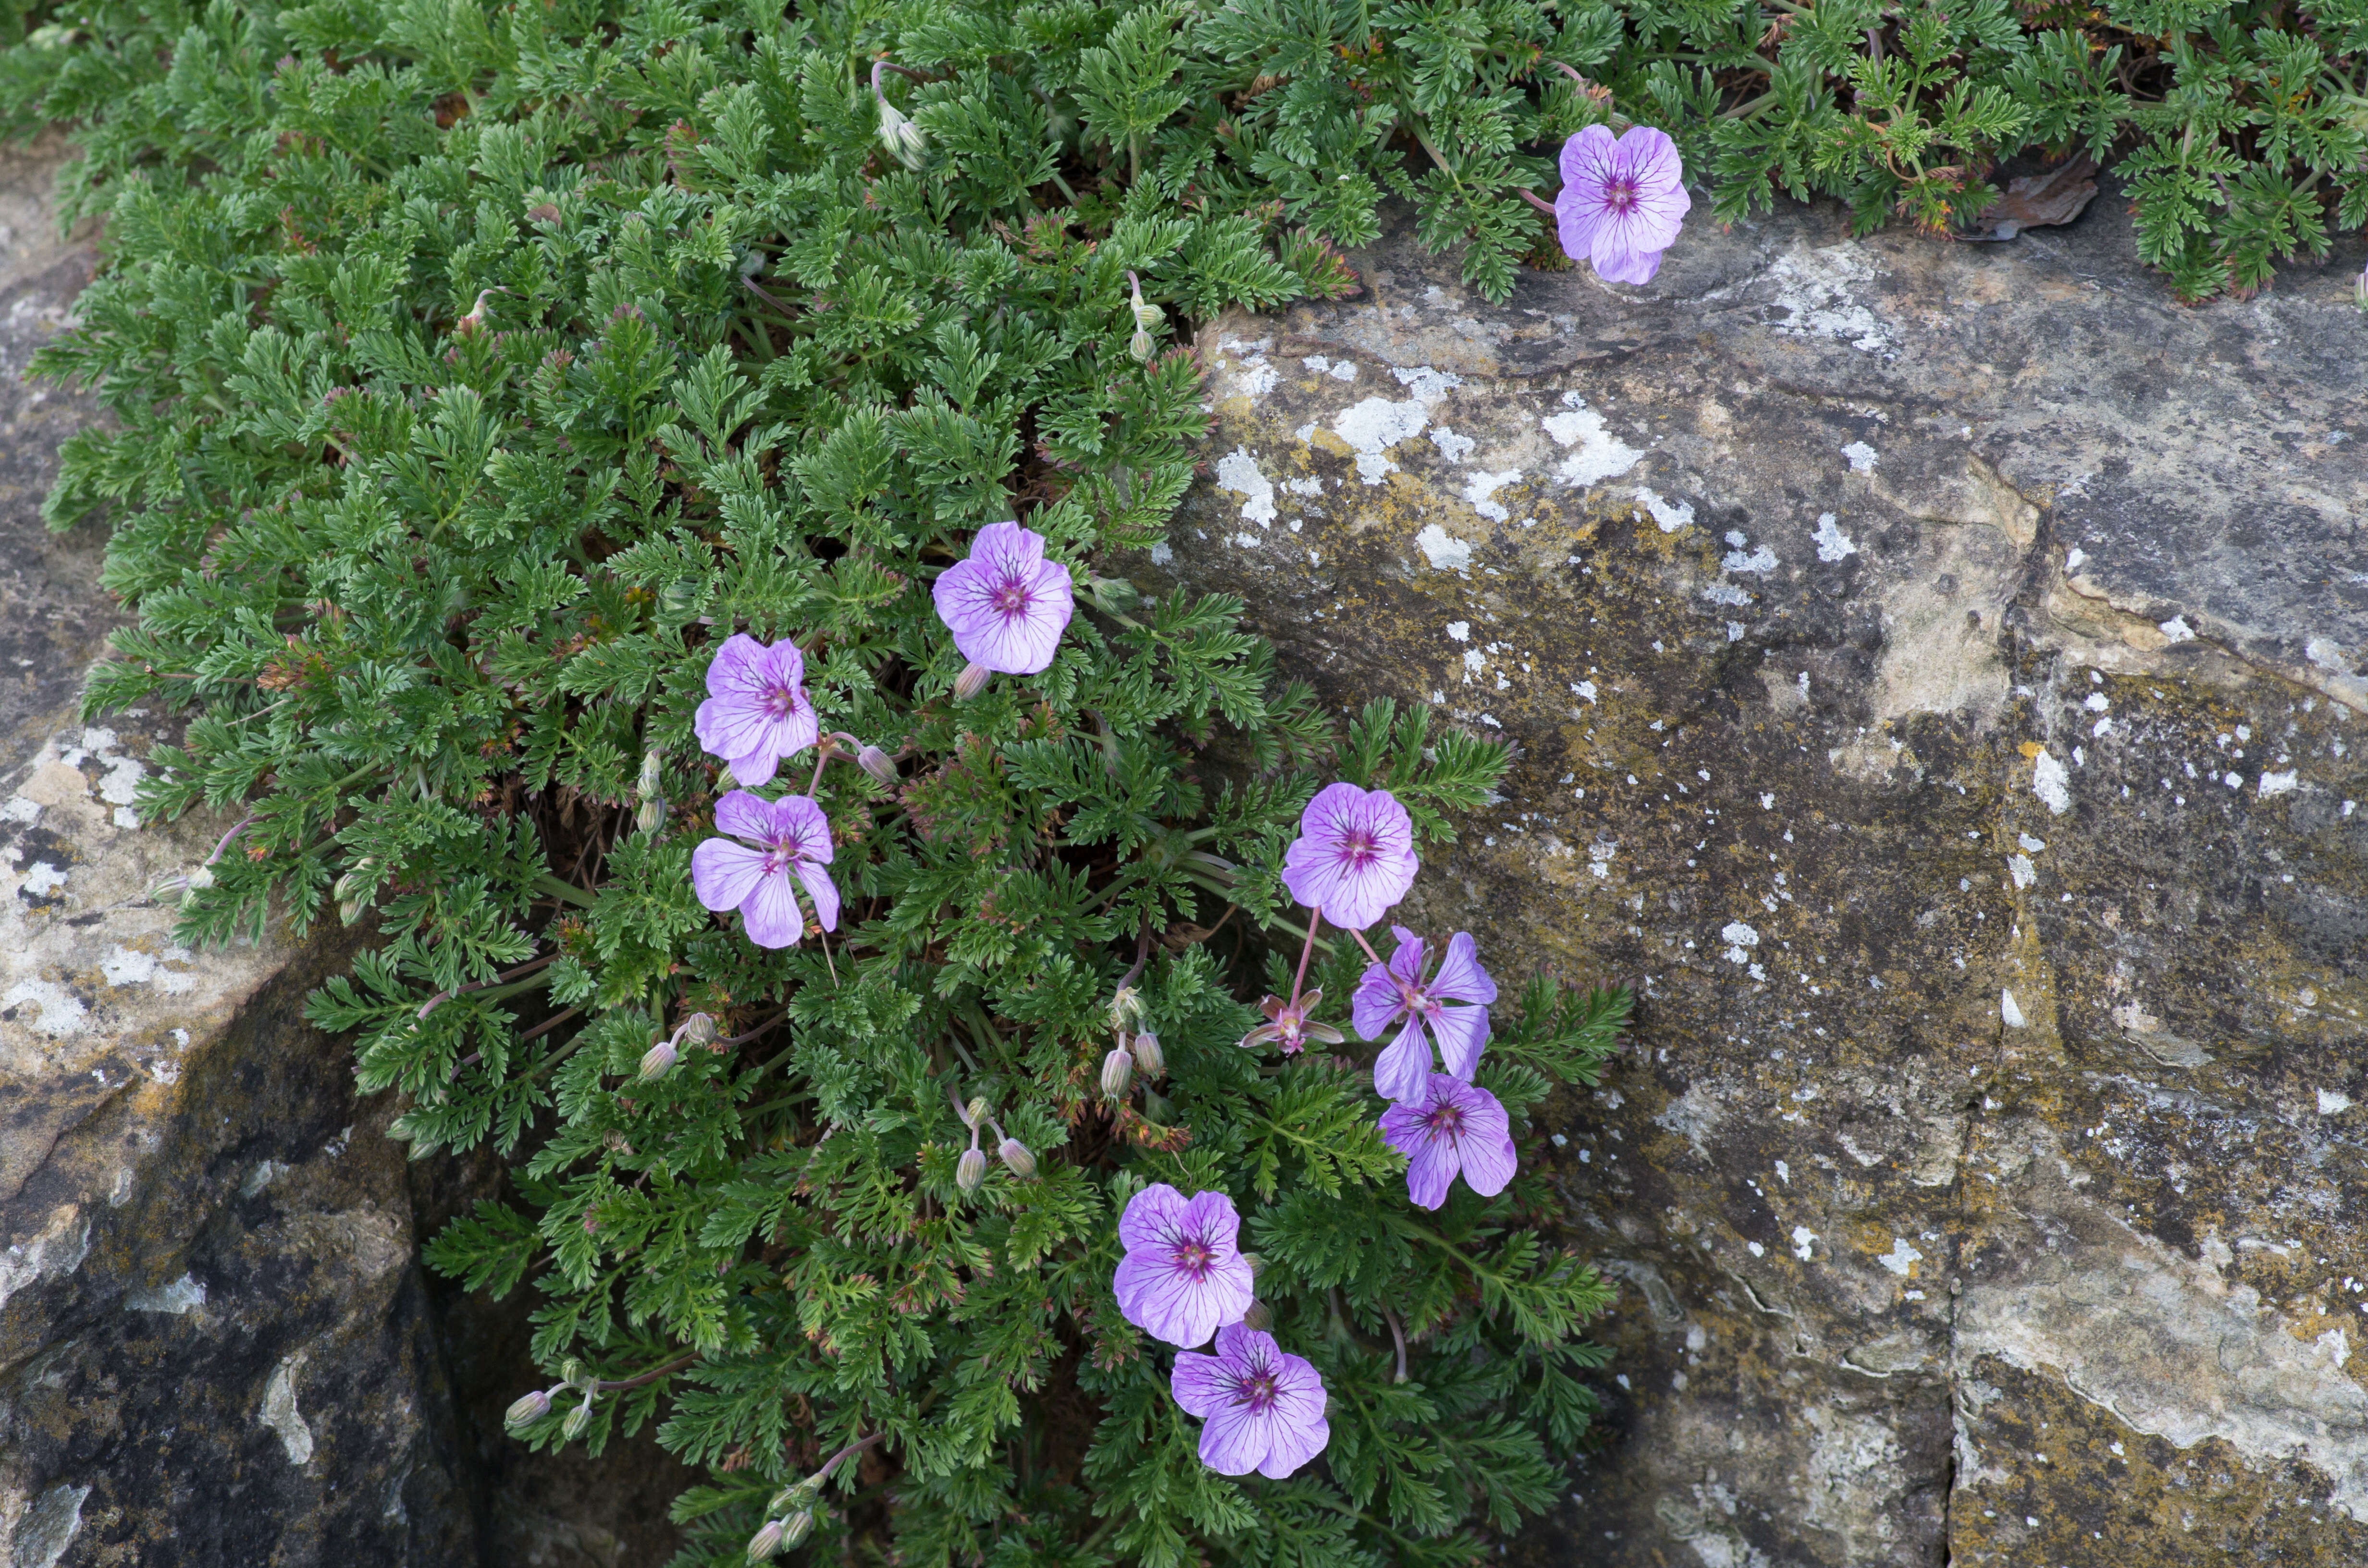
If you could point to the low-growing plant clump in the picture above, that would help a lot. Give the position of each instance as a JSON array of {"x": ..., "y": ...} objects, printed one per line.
[{"x": 628, "y": 493}]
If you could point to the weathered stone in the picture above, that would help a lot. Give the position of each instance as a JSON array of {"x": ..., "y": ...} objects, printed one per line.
[{"x": 1936, "y": 672}]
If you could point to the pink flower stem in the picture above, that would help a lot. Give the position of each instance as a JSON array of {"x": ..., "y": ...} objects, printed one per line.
[
  {"x": 1544, "y": 206},
  {"x": 822, "y": 760},
  {"x": 1368, "y": 947},
  {"x": 1314, "y": 918}
]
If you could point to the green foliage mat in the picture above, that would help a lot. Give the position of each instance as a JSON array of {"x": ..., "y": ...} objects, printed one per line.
[{"x": 474, "y": 371}]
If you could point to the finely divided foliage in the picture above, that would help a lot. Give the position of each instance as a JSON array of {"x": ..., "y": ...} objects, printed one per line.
[{"x": 541, "y": 434}]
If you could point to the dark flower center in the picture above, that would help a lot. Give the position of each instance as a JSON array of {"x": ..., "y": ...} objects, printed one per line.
[
  {"x": 1193, "y": 1257},
  {"x": 779, "y": 701},
  {"x": 1255, "y": 1390},
  {"x": 1011, "y": 599},
  {"x": 1619, "y": 193},
  {"x": 1444, "y": 1118},
  {"x": 1357, "y": 847}
]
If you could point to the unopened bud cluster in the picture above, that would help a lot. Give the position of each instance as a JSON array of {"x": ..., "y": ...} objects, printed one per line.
[
  {"x": 1147, "y": 318},
  {"x": 659, "y": 1059},
  {"x": 650, "y": 814},
  {"x": 903, "y": 138}
]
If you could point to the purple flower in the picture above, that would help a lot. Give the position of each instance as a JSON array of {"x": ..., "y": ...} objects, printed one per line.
[
  {"x": 1457, "y": 1127},
  {"x": 792, "y": 839},
  {"x": 1620, "y": 202},
  {"x": 1264, "y": 1409},
  {"x": 1354, "y": 856},
  {"x": 1290, "y": 1025},
  {"x": 1182, "y": 1275},
  {"x": 756, "y": 713},
  {"x": 1386, "y": 995},
  {"x": 1006, "y": 604}
]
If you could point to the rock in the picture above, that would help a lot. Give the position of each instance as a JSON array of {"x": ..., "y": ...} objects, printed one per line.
[
  {"x": 1937, "y": 676},
  {"x": 217, "y": 1345}
]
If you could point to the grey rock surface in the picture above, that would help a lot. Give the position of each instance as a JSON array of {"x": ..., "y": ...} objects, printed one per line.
[
  {"x": 218, "y": 1348},
  {"x": 1937, "y": 677}
]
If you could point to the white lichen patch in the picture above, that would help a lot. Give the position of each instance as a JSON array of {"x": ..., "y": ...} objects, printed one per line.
[
  {"x": 2050, "y": 782},
  {"x": 1481, "y": 489},
  {"x": 2010, "y": 1011},
  {"x": 1452, "y": 447},
  {"x": 1443, "y": 549},
  {"x": 1814, "y": 289},
  {"x": 1238, "y": 471},
  {"x": 1375, "y": 424},
  {"x": 1668, "y": 515},
  {"x": 1831, "y": 542},
  {"x": 1738, "y": 937},
  {"x": 1862, "y": 457},
  {"x": 54, "y": 1010},
  {"x": 1902, "y": 1258},
  {"x": 2177, "y": 628},
  {"x": 129, "y": 966},
  {"x": 1596, "y": 454}
]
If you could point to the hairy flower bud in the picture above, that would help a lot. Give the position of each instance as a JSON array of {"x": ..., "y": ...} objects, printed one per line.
[
  {"x": 878, "y": 763},
  {"x": 795, "y": 1528},
  {"x": 646, "y": 785},
  {"x": 1117, "y": 1073},
  {"x": 677, "y": 597},
  {"x": 571, "y": 1372},
  {"x": 904, "y": 139},
  {"x": 1017, "y": 1158},
  {"x": 202, "y": 878},
  {"x": 527, "y": 1410},
  {"x": 650, "y": 815},
  {"x": 1257, "y": 1316},
  {"x": 1113, "y": 595},
  {"x": 1146, "y": 315},
  {"x": 1126, "y": 1008},
  {"x": 577, "y": 1419},
  {"x": 1139, "y": 347},
  {"x": 971, "y": 1169},
  {"x": 657, "y": 1061},
  {"x": 356, "y": 882},
  {"x": 765, "y": 1541},
  {"x": 970, "y": 682},
  {"x": 1149, "y": 1059},
  {"x": 697, "y": 1029},
  {"x": 1253, "y": 1263}
]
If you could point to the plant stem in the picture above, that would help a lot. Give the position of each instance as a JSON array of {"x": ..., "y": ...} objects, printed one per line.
[
  {"x": 568, "y": 892},
  {"x": 611, "y": 1385},
  {"x": 1314, "y": 918}
]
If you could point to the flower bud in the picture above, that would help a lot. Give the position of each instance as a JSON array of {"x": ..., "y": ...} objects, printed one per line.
[
  {"x": 348, "y": 912},
  {"x": 1146, "y": 315},
  {"x": 650, "y": 815},
  {"x": 1015, "y": 1156},
  {"x": 1126, "y": 1008},
  {"x": 974, "y": 1113},
  {"x": 878, "y": 763},
  {"x": 356, "y": 882},
  {"x": 170, "y": 887},
  {"x": 794, "y": 1499},
  {"x": 970, "y": 682},
  {"x": 646, "y": 786},
  {"x": 657, "y": 1061},
  {"x": 1113, "y": 595},
  {"x": 202, "y": 878},
  {"x": 903, "y": 138},
  {"x": 1139, "y": 347},
  {"x": 1117, "y": 1073},
  {"x": 1257, "y": 1316},
  {"x": 527, "y": 1410},
  {"x": 697, "y": 1029},
  {"x": 765, "y": 1541},
  {"x": 577, "y": 1419},
  {"x": 971, "y": 1169},
  {"x": 794, "y": 1528},
  {"x": 571, "y": 1372},
  {"x": 679, "y": 596},
  {"x": 1148, "y": 1058}
]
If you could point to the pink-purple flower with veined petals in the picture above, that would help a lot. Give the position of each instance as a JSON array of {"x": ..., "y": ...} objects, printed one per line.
[
  {"x": 1399, "y": 993},
  {"x": 1354, "y": 856},
  {"x": 1006, "y": 604},
  {"x": 1264, "y": 1407},
  {"x": 756, "y": 713},
  {"x": 1183, "y": 1275},
  {"x": 1621, "y": 201},
  {"x": 791, "y": 840},
  {"x": 1458, "y": 1127},
  {"x": 1292, "y": 1025}
]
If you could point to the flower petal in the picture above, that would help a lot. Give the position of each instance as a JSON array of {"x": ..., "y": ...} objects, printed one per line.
[
  {"x": 1211, "y": 1217},
  {"x": 770, "y": 911},
  {"x": 1375, "y": 1003},
  {"x": 723, "y": 873},
  {"x": 1616, "y": 261},
  {"x": 1463, "y": 1032},
  {"x": 1585, "y": 157},
  {"x": 743, "y": 816},
  {"x": 1299, "y": 1430},
  {"x": 799, "y": 826},
  {"x": 1234, "y": 1441},
  {"x": 1402, "y": 1069},
  {"x": 1406, "y": 958},
  {"x": 1202, "y": 1384},
  {"x": 1460, "y": 976},
  {"x": 1151, "y": 1217},
  {"x": 824, "y": 894}
]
